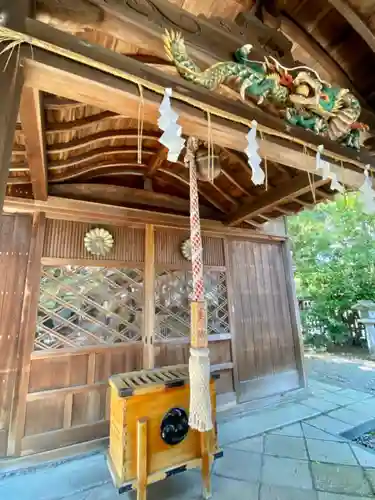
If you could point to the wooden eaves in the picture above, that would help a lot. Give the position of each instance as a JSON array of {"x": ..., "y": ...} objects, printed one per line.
[{"x": 44, "y": 71}]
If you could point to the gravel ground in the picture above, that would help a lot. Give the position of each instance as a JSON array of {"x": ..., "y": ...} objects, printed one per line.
[
  {"x": 342, "y": 370},
  {"x": 367, "y": 439}
]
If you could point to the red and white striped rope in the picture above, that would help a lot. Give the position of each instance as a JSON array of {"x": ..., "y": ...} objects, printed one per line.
[{"x": 195, "y": 225}]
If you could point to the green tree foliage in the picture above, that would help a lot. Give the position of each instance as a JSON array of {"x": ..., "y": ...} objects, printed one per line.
[{"x": 334, "y": 254}]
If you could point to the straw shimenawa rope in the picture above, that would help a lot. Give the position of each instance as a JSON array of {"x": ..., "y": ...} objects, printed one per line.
[{"x": 14, "y": 38}]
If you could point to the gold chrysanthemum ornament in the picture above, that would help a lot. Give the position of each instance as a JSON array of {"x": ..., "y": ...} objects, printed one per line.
[{"x": 98, "y": 241}]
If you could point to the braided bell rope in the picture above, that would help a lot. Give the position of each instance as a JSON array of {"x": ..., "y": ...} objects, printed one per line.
[{"x": 195, "y": 225}]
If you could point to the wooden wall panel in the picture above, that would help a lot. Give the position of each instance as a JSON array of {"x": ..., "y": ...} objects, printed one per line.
[
  {"x": 49, "y": 373},
  {"x": 44, "y": 415},
  {"x": 68, "y": 393},
  {"x": 168, "y": 244},
  {"x": 64, "y": 240},
  {"x": 15, "y": 236}
]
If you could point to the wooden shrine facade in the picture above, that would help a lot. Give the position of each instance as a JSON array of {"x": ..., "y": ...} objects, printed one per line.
[
  {"x": 75, "y": 320},
  {"x": 79, "y": 149}
]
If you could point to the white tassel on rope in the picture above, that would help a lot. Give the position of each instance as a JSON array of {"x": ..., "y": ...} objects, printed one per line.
[
  {"x": 200, "y": 415},
  {"x": 254, "y": 159},
  {"x": 171, "y": 138},
  {"x": 326, "y": 171}
]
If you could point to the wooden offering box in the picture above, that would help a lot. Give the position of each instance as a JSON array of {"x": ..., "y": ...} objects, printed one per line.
[{"x": 149, "y": 434}]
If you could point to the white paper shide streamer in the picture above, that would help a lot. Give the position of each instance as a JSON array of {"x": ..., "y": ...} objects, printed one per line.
[
  {"x": 367, "y": 194},
  {"x": 326, "y": 171},
  {"x": 171, "y": 138},
  {"x": 254, "y": 159}
]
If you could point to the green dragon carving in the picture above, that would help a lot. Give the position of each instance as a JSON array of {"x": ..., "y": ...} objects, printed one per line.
[{"x": 303, "y": 98}]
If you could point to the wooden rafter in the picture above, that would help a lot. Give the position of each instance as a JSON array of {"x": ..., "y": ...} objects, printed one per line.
[
  {"x": 157, "y": 161},
  {"x": 32, "y": 121},
  {"x": 286, "y": 190},
  {"x": 91, "y": 171},
  {"x": 204, "y": 195},
  {"x": 326, "y": 66},
  {"x": 343, "y": 7},
  {"x": 97, "y": 138},
  {"x": 71, "y": 80},
  {"x": 244, "y": 165},
  {"x": 96, "y": 155},
  {"x": 123, "y": 196}
]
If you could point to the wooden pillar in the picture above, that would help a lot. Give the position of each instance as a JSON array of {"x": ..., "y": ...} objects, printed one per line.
[
  {"x": 149, "y": 299},
  {"x": 12, "y": 15},
  {"x": 294, "y": 312},
  {"x": 26, "y": 334}
]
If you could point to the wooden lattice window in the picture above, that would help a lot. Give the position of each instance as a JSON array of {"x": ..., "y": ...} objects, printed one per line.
[
  {"x": 172, "y": 306},
  {"x": 83, "y": 306}
]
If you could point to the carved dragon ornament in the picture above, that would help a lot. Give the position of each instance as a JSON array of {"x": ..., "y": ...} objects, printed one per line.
[{"x": 300, "y": 95}]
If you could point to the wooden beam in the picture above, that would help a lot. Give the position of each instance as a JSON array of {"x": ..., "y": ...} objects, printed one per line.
[
  {"x": 85, "y": 211},
  {"x": 157, "y": 161},
  {"x": 125, "y": 196},
  {"x": 32, "y": 121},
  {"x": 345, "y": 10},
  {"x": 13, "y": 15},
  {"x": 286, "y": 190},
  {"x": 145, "y": 26},
  {"x": 54, "y": 74}
]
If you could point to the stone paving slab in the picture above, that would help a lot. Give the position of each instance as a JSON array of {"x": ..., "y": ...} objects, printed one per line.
[
  {"x": 320, "y": 404},
  {"x": 330, "y": 452},
  {"x": 293, "y": 430},
  {"x": 333, "y": 496},
  {"x": 364, "y": 457},
  {"x": 340, "y": 479},
  {"x": 286, "y": 472},
  {"x": 285, "y": 446},
  {"x": 328, "y": 424},
  {"x": 349, "y": 416},
  {"x": 335, "y": 397},
  {"x": 237, "y": 464},
  {"x": 269, "y": 492},
  {"x": 355, "y": 395},
  {"x": 316, "y": 385},
  {"x": 370, "y": 475},
  {"x": 366, "y": 407},
  {"x": 56, "y": 482},
  {"x": 314, "y": 433},
  {"x": 255, "y": 444},
  {"x": 264, "y": 421}
]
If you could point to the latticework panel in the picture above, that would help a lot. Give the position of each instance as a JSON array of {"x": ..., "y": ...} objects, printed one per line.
[
  {"x": 82, "y": 306},
  {"x": 172, "y": 303}
]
